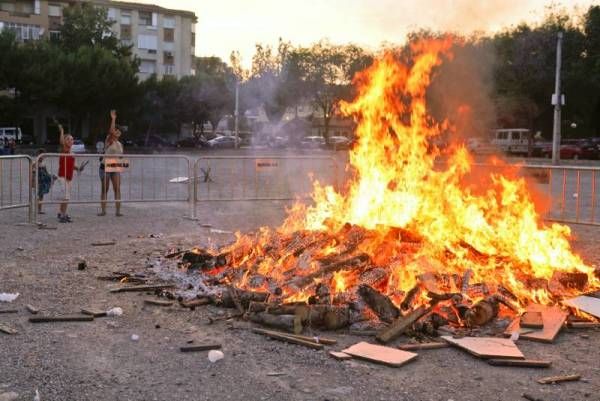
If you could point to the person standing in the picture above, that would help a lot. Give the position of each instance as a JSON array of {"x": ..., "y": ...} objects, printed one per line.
[
  {"x": 66, "y": 166},
  {"x": 107, "y": 173},
  {"x": 44, "y": 180}
]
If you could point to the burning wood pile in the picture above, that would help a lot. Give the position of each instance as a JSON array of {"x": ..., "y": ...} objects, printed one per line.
[{"x": 406, "y": 246}]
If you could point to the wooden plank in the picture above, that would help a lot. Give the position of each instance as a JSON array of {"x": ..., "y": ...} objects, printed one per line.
[
  {"x": 289, "y": 339},
  {"x": 198, "y": 348},
  {"x": 7, "y": 329},
  {"x": 192, "y": 303},
  {"x": 142, "y": 288},
  {"x": 103, "y": 243},
  {"x": 51, "y": 319},
  {"x": 584, "y": 325},
  {"x": 94, "y": 312},
  {"x": 32, "y": 309},
  {"x": 380, "y": 354},
  {"x": 487, "y": 347},
  {"x": 553, "y": 318},
  {"x": 6, "y": 311},
  {"x": 559, "y": 379},
  {"x": 340, "y": 356},
  {"x": 401, "y": 324},
  {"x": 420, "y": 346},
  {"x": 532, "y": 320},
  {"x": 585, "y": 304},
  {"x": 158, "y": 302},
  {"x": 526, "y": 363}
]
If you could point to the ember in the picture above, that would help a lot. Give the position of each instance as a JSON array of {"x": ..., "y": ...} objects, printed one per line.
[{"x": 405, "y": 240}]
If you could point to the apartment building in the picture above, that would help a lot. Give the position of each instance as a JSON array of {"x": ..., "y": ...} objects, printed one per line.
[{"x": 163, "y": 39}]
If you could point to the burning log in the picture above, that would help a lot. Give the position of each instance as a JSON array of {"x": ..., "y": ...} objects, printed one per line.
[
  {"x": 328, "y": 317},
  {"x": 349, "y": 263},
  {"x": 244, "y": 297},
  {"x": 374, "y": 277},
  {"x": 291, "y": 323},
  {"x": 570, "y": 280},
  {"x": 482, "y": 312},
  {"x": 402, "y": 324},
  {"x": 410, "y": 296},
  {"x": 455, "y": 297},
  {"x": 322, "y": 295},
  {"x": 383, "y": 307},
  {"x": 465, "y": 281}
]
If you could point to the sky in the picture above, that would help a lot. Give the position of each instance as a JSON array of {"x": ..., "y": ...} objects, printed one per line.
[{"x": 227, "y": 25}]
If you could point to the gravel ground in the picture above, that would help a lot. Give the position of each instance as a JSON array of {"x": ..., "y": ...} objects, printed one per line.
[{"x": 99, "y": 361}]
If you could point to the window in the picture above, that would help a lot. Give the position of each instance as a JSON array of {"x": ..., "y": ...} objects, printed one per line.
[
  {"x": 169, "y": 34},
  {"x": 145, "y": 18},
  {"x": 7, "y": 6},
  {"x": 168, "y": 58},
  {"x": 54, "y": 10},
  {"x": 125, "y": 17},
  {"x": 125, "y": 32},
  {"x": 24, "y": 32},
  {"x": 193, "y": 39},
  {"x": 148, "y": 66},
  {"x": 169, "y": 69},
  {"x": 112, "y": 14},
  {"x": 54, "y": 35},
  {"x": 147, "y": 42},
  {"x": 169, "y": 22}
]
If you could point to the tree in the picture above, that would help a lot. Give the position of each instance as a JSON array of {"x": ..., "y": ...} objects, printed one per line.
[
  {"x": 325, "y": 72},
  {"x": 86, "y": 25}
]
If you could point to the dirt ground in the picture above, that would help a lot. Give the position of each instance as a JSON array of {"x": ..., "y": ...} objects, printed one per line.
[{"x": 99, "y": 361}]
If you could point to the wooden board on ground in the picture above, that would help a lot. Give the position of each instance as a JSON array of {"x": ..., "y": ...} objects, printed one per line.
[
  {"x": 487, "y": 347},
  {"x": 93, "y": 312},
  {"x": 380, "y": 354},
  {"x": 589, "y": 305},
  {"x": 340, "y": 356},
  {"x": 532, "y": 320},
  {"x": 525, "y": 363},
  {"x": 553, "y": 317}
]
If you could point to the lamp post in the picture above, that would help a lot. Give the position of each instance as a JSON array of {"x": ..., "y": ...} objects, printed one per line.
[{"x": 556, "y": 101}]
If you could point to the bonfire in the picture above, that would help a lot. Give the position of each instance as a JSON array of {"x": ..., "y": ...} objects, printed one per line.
[{"x": 414, "y": 234}]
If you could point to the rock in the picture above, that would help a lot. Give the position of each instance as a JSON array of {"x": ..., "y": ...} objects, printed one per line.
[{"x": 8, "y": 396}]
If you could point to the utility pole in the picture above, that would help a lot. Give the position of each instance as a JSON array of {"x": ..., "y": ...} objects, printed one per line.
[
  {"x": 236, "y": 113},
  {"x": 557, "y": 100}
]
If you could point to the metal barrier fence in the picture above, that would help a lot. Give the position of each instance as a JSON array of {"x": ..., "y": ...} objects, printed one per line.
[
  {"x": 570, "y": 190},
  {"x": 147, "y": 178},
  {"x": 257, "y": 178},
  {"x": 16, "y": 182}
]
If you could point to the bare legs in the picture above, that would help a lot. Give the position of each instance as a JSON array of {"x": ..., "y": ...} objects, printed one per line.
[
  {"x": 116, "y": 182},
  {"x": 115, "y": 179}
]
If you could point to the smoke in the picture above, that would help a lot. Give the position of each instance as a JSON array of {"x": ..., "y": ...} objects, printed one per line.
[{"x": 461, "y": 91}]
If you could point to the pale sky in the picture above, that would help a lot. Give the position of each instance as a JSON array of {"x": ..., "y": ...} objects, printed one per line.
[{"x": 227, "y": 25}]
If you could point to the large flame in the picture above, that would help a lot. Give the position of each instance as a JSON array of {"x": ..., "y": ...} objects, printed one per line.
[{"x": 492, "y": 228}]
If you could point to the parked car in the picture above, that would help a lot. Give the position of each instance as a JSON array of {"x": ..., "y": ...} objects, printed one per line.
[
  {"x": 590, "y": 148},
  {"x": 567, "y": 151},
  {"x": 158, "y": 142},
  {"x": 313, "y": 142},
  {"x": 78, "y": 146},
  {"x": 511, "y": 140},
  {"x": 278, "y": 142},
  {"x": 339, "y": 142},
  {"x": 223, "y": 142}
]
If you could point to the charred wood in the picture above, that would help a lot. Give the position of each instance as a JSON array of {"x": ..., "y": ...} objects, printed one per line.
[
  {"x": 383, "y": 307},
  {"x": 401, "y": 324},
  {"x": 410, "y": 296},
  {"x": 291, "y": 323},
  {"x": 349, "y": 263},
  {"x": 482, "y": 312}
]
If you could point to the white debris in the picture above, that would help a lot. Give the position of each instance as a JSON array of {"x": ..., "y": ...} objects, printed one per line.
[
  {"x": 6, "y": 297},
  {"x": 114, "y": 312},
  {"x": 575, "y": 195},
  {"x": 135, "y": 337},
  {"x": 215, "y": 355},
  {"x": 37, "y": 396}
]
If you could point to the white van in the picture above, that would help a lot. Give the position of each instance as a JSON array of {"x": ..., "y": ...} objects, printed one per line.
[
  {"x": 8, "y": 133},
  {"x": 511, "y": 140}
]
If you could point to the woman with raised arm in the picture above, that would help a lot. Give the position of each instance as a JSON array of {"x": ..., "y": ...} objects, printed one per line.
[
  {"x": 108, "y": 175},
  {"x": 66, "y": 166}
]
